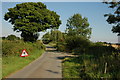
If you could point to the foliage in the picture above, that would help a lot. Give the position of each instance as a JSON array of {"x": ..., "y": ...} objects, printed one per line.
[
  {"x": 30, "y": 18},
  {"x": 31, "y": 37},
  {"x": 76, "y": 43},
  {"x": 11, "y": 50},
  {"x": 76, "y": 25},
  {"x": 92, "y": 66},
  {"x": 3, "y": 38},
  {"x": 76, "y": 38},
  {"x": 13, "y": 63},
  {"x": 98, "y": 49},
  {"x": 46, "y": 38},
  {"x": 12, "y": 37},
  {"x": 15, "y": 47},
  {"x": 115, "y": 17},
  {"x": 70, "y": 68},
  {"x": 53, "y": 36},
  {"x": 56, "y": 35},
  {"x": 61, "y": 46}
]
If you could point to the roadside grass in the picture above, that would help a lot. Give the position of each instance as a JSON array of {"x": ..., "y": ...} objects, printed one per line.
[
  {"x": 13, "y": 63},
  {"x": 11, "y": 50},
  {"x": 70, "y": 68},
  {"x": 87, "y": 66}
]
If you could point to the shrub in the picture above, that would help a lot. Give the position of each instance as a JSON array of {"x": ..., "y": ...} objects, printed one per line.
[
  {"x": 15, "y": 47},
  {"x": 12, "y": 37},
  {"x": 61, "y": 46},
  {"x": 74, "y": 43},
  {"x": 99, "y": 49}
]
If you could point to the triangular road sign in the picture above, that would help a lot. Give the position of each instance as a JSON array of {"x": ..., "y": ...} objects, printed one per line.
[{"x": 24, "y": 53}]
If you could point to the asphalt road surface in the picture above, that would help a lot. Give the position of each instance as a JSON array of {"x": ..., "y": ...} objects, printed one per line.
[{"x": 47, "y": 66}]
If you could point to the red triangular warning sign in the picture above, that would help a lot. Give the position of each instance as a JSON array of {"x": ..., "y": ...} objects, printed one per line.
[{"x": 24, "y": 53}]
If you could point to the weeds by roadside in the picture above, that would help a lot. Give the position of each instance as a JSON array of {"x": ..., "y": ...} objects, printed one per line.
[{"x": 91, "y": 67}]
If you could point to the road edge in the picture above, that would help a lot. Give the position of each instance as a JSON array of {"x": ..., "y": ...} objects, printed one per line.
[{"x": 27, "y": 65}]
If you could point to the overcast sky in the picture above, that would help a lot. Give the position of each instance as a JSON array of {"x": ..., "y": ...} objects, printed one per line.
[{"x": 94, "y": 11}]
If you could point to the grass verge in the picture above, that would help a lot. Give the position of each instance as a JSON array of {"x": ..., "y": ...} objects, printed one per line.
[
  {"x": 91, "y": 67},
  {"x": 12, "y": 63},
  {"x": 70, "y": 68}
]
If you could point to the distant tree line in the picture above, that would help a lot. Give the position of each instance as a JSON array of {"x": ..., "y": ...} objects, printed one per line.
[{"x": 11, "y": 37}]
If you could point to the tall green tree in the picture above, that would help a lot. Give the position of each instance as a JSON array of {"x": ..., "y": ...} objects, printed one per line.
[
  {"x": 114, "y": 18},
  {"x": 30, "y": 18},
  {"x": 76, "y": 25}
]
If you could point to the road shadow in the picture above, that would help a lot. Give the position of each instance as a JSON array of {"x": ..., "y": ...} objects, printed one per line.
[
  {"x": 53, "y": 71},
  {"x": 63, "y": 57},
  {"x": 58, "y": 66},
  {"x": 51, "y": 50},
  {"x": 50, "y": 47}
]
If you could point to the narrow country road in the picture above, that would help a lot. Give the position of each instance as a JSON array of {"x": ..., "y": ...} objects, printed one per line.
[{"x": 46, "y": 66}]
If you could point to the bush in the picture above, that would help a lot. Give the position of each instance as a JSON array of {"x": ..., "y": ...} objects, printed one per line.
[
  {"x": 99, "y": 49},
  {"x": 12, "y": 37},
  {"x": 15, "y": 47},
  {"x": 91, "y": 64},
  {"x": 40, "y": 45},
  {"x": 78, "y": 43},
  {"x": 61, "y": 46}
]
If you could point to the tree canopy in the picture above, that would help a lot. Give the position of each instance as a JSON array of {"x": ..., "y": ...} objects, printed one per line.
[
  {"x": 114, "y": 18},
  {"x": 53, "y": 36},
  {"x": 76, "y": 25},
  {"x": 31, "y": 18}
]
